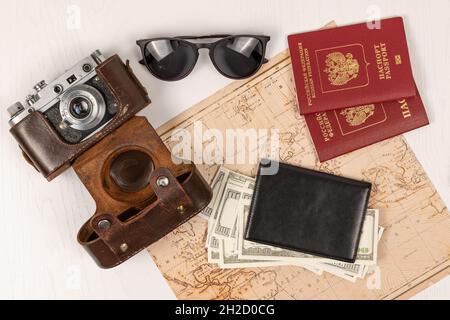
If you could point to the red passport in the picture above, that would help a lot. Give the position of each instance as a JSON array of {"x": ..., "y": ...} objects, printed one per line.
[
  {"x": 351, "y": 66},
  {"x": 337, "y": 132}
]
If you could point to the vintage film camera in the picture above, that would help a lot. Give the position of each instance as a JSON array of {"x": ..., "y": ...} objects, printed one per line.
[{"x": 86, "y": 119}]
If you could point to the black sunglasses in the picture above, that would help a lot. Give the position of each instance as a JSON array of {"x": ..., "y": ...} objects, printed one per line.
[{"x": 235, "y": 57}]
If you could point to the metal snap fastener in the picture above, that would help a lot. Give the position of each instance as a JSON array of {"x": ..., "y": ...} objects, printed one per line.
[
  {"x": 123, "y": 247},
  {"x": 104, "y": 225},
  {"x": 162, "y": 182},
  {"x": 181, "y": 209}
]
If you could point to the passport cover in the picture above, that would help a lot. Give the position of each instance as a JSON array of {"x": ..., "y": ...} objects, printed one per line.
[
  {"x": 337, "y": 132},
  {"x": 351, "y": 66},
  {"x": 308, "y": 211}
]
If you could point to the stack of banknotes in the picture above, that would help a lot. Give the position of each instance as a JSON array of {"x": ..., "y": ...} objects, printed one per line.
[{"x": 227, "y": 218}]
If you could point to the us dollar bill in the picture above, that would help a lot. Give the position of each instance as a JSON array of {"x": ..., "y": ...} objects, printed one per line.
[
  {"x": 368, "y": 244},
  {"x": 233, "y": 186},
  {"x": 230, "y": 260},
  {"x": 367, "y": 249},
  {"x": 213, "y": 256},
  {"x": 248, "y": 250},
  {"x": 223, "y": 179},
  {"x": 225, "y": 226},
  {"x": 342, "y": 268},
  {"x": 226, "y": 223},
  {"x": 217, "y": 186},
  {"x": 214, "y": 251},
  {"x": 228, "y": 215}
]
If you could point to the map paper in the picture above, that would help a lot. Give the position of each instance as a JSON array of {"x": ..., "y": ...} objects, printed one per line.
[{"x": 413, "y": 252}]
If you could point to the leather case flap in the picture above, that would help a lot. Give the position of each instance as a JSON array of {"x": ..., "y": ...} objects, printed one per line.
[
  {"x": 176, "y": 204},
  {"x": 135, "y": 220},
  {"x": 163, "y": 215}
]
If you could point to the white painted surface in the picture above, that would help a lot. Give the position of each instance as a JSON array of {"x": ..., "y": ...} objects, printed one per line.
[{"x": 40, "y": 257}]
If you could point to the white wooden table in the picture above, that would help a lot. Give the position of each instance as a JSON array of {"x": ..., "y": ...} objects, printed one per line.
[{"x": 40, "y": 257}]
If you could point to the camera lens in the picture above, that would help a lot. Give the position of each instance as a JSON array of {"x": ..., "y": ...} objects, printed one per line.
[{"x": 80, "y": 107}]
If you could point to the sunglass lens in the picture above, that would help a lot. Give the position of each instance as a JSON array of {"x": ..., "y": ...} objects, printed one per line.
[
  {"x": 170, "y": 59},
  {"x": 239, "y": 57}
]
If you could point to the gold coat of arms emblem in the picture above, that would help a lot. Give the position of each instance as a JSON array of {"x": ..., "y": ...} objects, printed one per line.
[
  {"x": 341, "y": 68},
  {"x": 356, "y": 116}
]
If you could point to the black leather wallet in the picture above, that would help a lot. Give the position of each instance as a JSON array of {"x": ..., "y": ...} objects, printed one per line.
[{"x": 308, "y": 211}]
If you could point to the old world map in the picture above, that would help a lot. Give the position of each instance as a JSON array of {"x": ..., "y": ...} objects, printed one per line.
[{"x": 415, "y": 246}]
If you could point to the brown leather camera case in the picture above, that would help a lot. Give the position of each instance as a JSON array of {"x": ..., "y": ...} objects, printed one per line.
[
  {"x": 50, "y": 154},
  {"x": 141, "y": 194}
]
